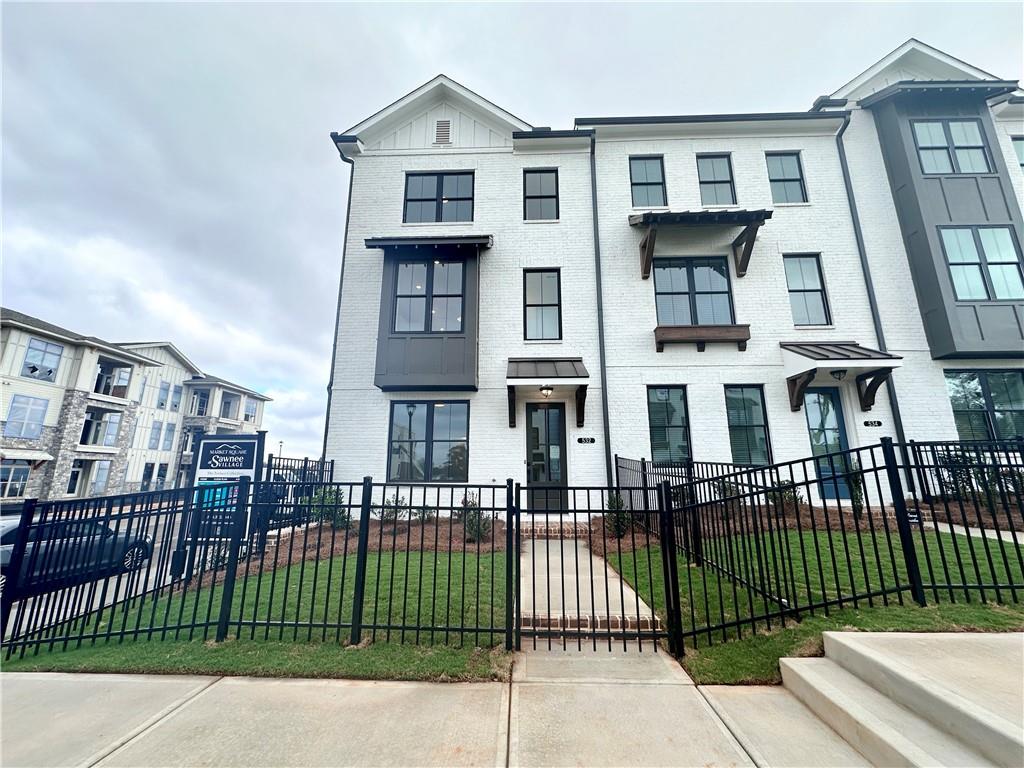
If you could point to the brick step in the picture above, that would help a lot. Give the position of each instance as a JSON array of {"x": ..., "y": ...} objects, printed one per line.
[{"x": 529, "y": 621}]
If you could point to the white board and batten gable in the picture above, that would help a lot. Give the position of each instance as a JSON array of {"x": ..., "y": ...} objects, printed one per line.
[
  {"x": 913, "y": 60},
  {"x": 440, "y": 114}
]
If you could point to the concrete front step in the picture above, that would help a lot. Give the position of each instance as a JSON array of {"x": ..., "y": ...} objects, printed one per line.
[
  {"x": 882, "y": 730},
  {"x": 777, "y": 730},
  {"x": 966, "y": 684}
]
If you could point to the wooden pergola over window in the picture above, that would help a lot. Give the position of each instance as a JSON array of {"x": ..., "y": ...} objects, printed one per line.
[{"x": 742, "y": 246}]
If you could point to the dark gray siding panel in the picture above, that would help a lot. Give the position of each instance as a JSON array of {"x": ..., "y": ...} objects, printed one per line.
[
  {"x": 419, "y": 361},
  {"x": 955, "y": 329}
]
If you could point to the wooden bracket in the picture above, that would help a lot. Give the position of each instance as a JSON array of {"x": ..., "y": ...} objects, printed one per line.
[
  {"x": 647, "y": 251},
  {"x": 868, "y": 384},
  {"x": 797, "y": 385},
  {"x": 743, "y": 245}
]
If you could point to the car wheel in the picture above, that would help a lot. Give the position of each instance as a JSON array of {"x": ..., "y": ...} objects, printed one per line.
[{"x": 134, "y": 557}]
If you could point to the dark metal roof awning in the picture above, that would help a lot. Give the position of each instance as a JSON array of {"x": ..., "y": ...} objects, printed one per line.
[
  {"x": 804, "y": 360},
  {"x": 742, "y": 246},
  {"x": 553, "y": 371},
  {"x": 552, "y": 368},
  {"x": 477, "y": 241},
  {"x": 985, "y": 89}
]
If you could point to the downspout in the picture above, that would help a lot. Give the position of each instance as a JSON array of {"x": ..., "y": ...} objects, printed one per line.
[
  {"x": 869, "y": 284},
  {"x": 337, "y": 316},
  {"x": 600, "y": 310}
]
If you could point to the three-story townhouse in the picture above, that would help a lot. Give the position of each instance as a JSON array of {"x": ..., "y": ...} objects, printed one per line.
[{"x": 745, "y": 288}]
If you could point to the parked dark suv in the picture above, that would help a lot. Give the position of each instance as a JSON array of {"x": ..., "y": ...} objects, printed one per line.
[{"x": 70, "y": 552}]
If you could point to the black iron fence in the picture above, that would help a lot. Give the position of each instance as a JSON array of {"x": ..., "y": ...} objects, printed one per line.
[{"x": 720, "y": 553}]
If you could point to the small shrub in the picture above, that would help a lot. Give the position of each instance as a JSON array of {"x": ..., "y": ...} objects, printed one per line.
[
  {"x": 477, "y": 523},
  {"x": 392, "y": 511},
  {"x": 618, "y": 518},
  {"x": 327, "y": 505},
  {"x": 424, "y": 514},
  {"x": 785, "y": 495}
]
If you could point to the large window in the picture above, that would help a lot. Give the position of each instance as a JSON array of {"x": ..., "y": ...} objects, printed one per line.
[
  {"x": 692, "y": 291},
  {"x": 437, "y": 285},
  {"x": 154, "y": 435},
  {"x": 647, "y": 181},
  {"x": 168, "y": 444},
  {"x": 13, "y": 478},
  {"x": 429, "y": 442},
  {"x": 748, "y": 425},
  {"x": 1018, "y": 147},
  {"x": 176, "y": 398},
  {"x": 715, "y": 175},
  {"x": 100, "y": 428},
  {"x": 25, "y": 417},
  {"x": 984, "y": 263},
  {"x": 250, "y": 410},
  {"x": 806, "y": 290},
  {"x": 987, "y": 405},
  {"x": 100, "y": 477},
  {"x": 540, "y": 194},
  {"x": 438, "y": 197},
  {"x": 951, "y": 146},
  {"x": 542, "y": 300},
  {"x": 164, "y": 394},
  {"x": 42, "y": 359},
  {"x": 786, "y": 177},
  {"x": 669, "y": 424}
]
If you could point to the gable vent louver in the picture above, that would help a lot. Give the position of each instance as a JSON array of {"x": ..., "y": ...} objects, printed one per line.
[{"x": 443, "y": 132}]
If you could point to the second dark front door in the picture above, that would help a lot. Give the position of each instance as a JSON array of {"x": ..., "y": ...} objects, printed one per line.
[
  {"x": 545, "y": 456},
  {"x": 827, "y": 430}
]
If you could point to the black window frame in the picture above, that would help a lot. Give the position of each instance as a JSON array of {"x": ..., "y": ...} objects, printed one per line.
[
  {"x": 527, "y": 197},
  {"x": 691, "y": 291},
  {"x": 800, "y": 178},
  {"x": 732, "y": 178},
  {"x": 685, "y": 427},
  {"x": 823, "y": 290},
  {"x": 428, "y": 440},
  {"x": 951, "y": 147},
  {"x": 527, "y": 305},
  {"x": 986, "y": 391},
  {"x": 983, "y": 261},
  {"x": 428, "y": 296},
  {"x": 438, "y": 197},
  {"x": 766, "y": 427},
  {"x": 634, "y": 184}
]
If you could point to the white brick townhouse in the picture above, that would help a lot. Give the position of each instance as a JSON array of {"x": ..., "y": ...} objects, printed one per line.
[{"x": 524, "y": 302}]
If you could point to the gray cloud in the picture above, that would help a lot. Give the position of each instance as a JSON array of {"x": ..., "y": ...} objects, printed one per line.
[{"x": 167, "y": 172}]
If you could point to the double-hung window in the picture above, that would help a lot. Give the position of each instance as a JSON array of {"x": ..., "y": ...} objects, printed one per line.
[
  {"x": 951, "y": 146},
  {"x": 42, "y": 359},
  {"x": 163, "y": 394},
  {"x": 169, "y": 437},
  {"x": 436, "y": 286},
  {"x": 429, "y": 441},
  {"x": 154, "y": 435},
  {"x": 987, "y": 405},
  {"x": 542, "y": 298},
  {"x": 176, "y": 397},
  {"x": 25, "y": 417},
  {"x": 748, "y": 425},
  {"x": 250, "y": 410},
  {"x": 540, "y": 194},
  {"x": 647, "y": 182},
  {"x": 806, "y": 290},
  {"x": 786, "y": 176},
  {"x": 692, "y": 291},
  {"x": 984, "y": 263},
  {"x": 669, "y": 424},
  {"x": 714, "y": 172},
  {"x": 431, "y": 197},
  {"x": 14, "y": 475},
  {"x": 1018, "y": 147}
]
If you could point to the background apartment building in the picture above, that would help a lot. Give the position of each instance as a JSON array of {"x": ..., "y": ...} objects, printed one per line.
[
  {"x": 87, "y": 417},
  {"x": 522, "y": 302}
]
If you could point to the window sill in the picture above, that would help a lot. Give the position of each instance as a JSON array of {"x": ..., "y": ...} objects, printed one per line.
[
  {"x": 542, "y": 221},
  {"x": 701, "y": 335},
  {"x": 814, "y": 327},
  {"x": 653, "y": 209},
  {"x": 437, "y": 223},
  {"x": 542, "y": 341},
  {"x": 791, "y": 205}
]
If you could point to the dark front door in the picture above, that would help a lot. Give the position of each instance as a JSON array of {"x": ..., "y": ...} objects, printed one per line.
[
  {"x": 827, "y": 430},
  {"x": 545, "y": 456}
]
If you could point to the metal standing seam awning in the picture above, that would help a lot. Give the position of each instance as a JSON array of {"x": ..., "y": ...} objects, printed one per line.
[
  {"x": 552, "y": 371},
  {"x": 481, "y": 242},
  {"x": 35, "y": 457},
  {"x": 803, "y": 361},
  {"x": 751, "y": 221}
]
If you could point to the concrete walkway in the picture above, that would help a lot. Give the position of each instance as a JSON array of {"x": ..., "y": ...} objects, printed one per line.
[{"x": 1011, "y": 537}]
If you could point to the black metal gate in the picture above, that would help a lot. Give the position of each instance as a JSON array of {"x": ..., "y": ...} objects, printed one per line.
[{"x": 591, "y": 568}]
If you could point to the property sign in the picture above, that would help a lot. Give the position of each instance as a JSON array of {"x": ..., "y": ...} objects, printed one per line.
[{"x": 223, "y": 459}]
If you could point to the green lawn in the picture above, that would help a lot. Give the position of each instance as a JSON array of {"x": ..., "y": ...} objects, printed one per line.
[
  {"x": 415, "y": 589},
  {"x": 738, "y": 653},
  {"x": 375, "y": 661}
]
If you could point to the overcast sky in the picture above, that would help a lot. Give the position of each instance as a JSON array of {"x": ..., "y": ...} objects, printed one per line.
[{"x": 167, "y": 172}]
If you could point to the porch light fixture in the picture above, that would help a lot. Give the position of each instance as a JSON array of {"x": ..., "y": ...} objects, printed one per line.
[
  {"x": 839, "y": 374},
  {"x": 546, "y": 390}
]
